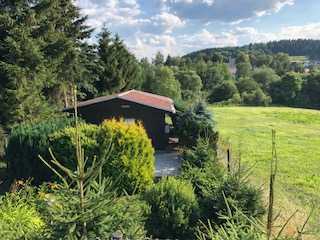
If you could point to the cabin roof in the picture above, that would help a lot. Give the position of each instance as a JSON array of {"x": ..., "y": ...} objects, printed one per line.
[{"x": 140, "y": 97}]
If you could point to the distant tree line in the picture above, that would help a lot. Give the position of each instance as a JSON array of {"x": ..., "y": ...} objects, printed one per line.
[{"x": 293, "y": 47}]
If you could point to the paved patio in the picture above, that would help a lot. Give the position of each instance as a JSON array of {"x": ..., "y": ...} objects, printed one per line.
[{"x": 167, "y": 163}]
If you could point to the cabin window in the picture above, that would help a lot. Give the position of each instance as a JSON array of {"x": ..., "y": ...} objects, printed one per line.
[
  {"x": 130, "y": 120},
  {"x": 167, "y": 129}
]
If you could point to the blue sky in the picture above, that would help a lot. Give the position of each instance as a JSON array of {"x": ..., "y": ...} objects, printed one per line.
[{"x": 177, "y": 27}]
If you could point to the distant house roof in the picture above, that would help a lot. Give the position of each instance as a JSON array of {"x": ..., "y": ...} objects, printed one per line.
[{"x": 143, "y": 98}]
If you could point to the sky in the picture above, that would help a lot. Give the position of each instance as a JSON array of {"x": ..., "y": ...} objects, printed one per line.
[{"x": 178, "y": 27}]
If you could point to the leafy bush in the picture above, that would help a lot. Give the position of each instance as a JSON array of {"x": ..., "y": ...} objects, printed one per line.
[
  {"x": 237, "y": 226},
  {"x": 240, "y": 194},
  {"x": 26, "y": 142},
  {"x": 223, "y": 92},
  {"x": 63, "y": 143},
  {"x": 203, "y": 179},
  {"x": 195, "y": 123},
  {"x": 131, "y": 161},
  {"x": 256, "y": 98},
  {"x": 212, "y": 184},
  {"x": 19, "y": 217},
  {"x": 173, "y": 208},
  {"x": 199, "y": 155}
]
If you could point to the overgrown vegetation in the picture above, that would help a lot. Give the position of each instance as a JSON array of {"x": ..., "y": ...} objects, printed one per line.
[
  {"x": 19, "y": 215},
  {"x": 26, "y": 142},
  {"x": 173, "y": 209}
]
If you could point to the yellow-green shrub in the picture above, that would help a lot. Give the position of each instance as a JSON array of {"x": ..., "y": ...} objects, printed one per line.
[
  {"x": 131, "y": 162},
  {"x": 19, "y": 217}
]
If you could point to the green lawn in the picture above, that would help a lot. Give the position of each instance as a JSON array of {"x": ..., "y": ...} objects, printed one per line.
[
  {"x": 298, "y": 147},
  {"x": 299, "y": 59}
]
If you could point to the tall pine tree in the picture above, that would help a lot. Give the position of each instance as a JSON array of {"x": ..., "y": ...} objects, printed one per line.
[
  {"x": 22, "y": 68},
  {"x": 118, "y": 69}
]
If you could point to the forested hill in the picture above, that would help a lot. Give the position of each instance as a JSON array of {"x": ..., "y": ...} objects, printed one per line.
[{"x": 299, "y": 47}]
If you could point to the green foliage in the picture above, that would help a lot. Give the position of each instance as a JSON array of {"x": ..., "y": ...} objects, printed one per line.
[
  {"x": 203, "y": 179},
  {"x": 310, "y": 90},
  {"x": 256, "y": 98},
  {"x": 287, "y": 89},
  {"x": 237, "y": 226},
  {"x": 213, "y": 75},
  {"x": 131, "y": 161},
  {"x": 2, "y": 143},
  {"x": 247, "y": 84},
  {"x": 199, "y": 155},
  {"x": 104, "y": 213},
  {"x": 164, "y": 83},
  {"x": 191, "y": 84},
  {"x": 194, "y": 123},
  {"x": 26, "y": 142},
  {"x": 241, "y": 194},
  {"x": 265, "y": 76},
  {"x": 281, "y": 63},
  {"x": 173, "y": 208},
  {"x": 243, "y": 65},
  {"x": 19, "y": 217},
  {"x": 40, "y": 48},
  {"x": 223, "y": 92},
  {"x": 63, "y": 143},
  {"x": 117, "y": 68},
  {"x": 158, "y": 60}
]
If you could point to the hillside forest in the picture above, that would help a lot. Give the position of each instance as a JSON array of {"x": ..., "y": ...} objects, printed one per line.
[{"x": 45, "y": 50}]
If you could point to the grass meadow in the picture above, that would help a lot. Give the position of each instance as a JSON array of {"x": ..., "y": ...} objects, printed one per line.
[{"x": 248, "y": 129}]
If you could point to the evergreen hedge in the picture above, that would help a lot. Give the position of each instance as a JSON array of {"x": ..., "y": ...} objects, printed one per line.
[
  {"x": 174, "y": 209},
  {"x": 26, "y": 142}
]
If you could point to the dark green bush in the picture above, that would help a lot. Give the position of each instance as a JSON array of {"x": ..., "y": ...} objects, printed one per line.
[
  {"x": 195, "y": 123},
  {"x": 237, "y": 226},
  {"x": 203, "y": 179},
  {"x": 19, "y": 217},
  {"x": 200, "y": 154},
  {"x": 256, "y": 98},
  {"x": 173, "y": 209},
  {"x": 239, "y": 194},
  {"x": 63, "y": 143},
  {"x": 26, "y": 142},
  {"x": 223, "y": 92},
  {"x": 104, "y": 213},
  {"x": 212, "y": 184}
]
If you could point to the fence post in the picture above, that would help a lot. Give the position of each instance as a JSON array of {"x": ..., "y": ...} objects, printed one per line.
[{"x": 229, "y": 159}]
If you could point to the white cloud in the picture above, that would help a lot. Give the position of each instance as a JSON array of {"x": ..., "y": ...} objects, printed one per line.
[
  {"x": 250, "y": 34},
  {"x": 167, "y": 21},
  {"x": 147, "y": 45},
  {"x": 311, "y": 30},
  {"x": 120, "y": 12},
  {"x": 225, "y": 10},
  {"x": 206, "y": 39}
]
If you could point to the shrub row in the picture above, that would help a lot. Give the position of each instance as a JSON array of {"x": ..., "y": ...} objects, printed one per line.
[{"x": 125, "y": 148}]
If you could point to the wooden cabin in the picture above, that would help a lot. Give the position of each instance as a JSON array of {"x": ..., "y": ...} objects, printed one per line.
[{"x": 133, "y": 105}]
